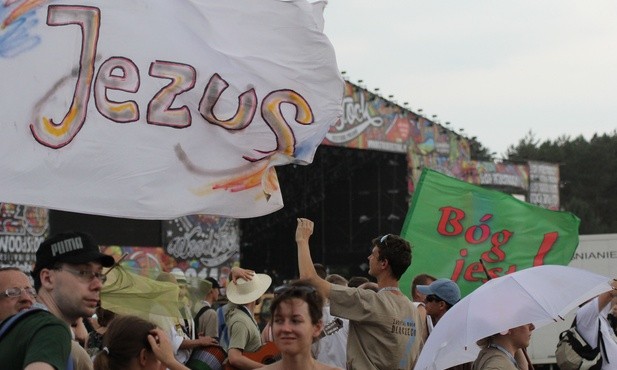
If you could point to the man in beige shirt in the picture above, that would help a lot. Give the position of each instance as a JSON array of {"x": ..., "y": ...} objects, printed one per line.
[{"x": 384, "y": 328}]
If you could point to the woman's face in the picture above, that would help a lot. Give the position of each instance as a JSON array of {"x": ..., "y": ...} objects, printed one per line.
[
  {"x": 521, "y": 335},
  {"x": 292, "y": 327}
]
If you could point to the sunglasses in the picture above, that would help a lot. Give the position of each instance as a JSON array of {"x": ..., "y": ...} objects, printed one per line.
[
  {"x": 384, "y": 239},
  {"x": 433, "y": 298}
]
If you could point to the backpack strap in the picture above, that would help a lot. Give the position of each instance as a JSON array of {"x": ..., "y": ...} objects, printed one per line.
[
  {"x": 201, "y": 312},
  {"x": 601, "y": 342},
  {"x": 222, "y": 329},
  {"x": 10, "y": 322}
]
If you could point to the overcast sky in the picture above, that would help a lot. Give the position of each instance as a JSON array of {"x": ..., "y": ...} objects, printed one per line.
[{"x": 496, "y": 69}]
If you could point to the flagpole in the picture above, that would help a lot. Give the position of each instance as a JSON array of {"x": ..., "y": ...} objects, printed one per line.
[
  {"x": 117, "y": 263},
  {"x": 488, "y": 277}
]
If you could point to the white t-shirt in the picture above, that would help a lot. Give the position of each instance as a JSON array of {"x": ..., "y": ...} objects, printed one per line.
[
  {"x": 587, "y": 325},
  {"x": 175, "y": 335},
  {"x": 332, "y": 349},
  {"x": 429, "y": 320}
]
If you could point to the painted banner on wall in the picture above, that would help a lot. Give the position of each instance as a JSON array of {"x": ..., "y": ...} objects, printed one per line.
[
  {"x": 203, "y": 246},
  {"x": 544, "y": 184},
  {"x": 22, "y": 229},
  {"x": 496, "y": 174},
  {"x": 464, "y": 232},
  {"x": 372, "y": 122},
  {"x": 155, "y": 109}
]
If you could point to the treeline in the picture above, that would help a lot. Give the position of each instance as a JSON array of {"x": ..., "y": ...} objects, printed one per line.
[{"x": 588, "y": 172}]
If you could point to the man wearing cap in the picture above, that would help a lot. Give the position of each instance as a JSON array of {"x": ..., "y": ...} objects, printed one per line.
[
  {"x": 441, "y": 295},
  {"x": 68, "y": 279},
  {"x": 384, "y": 330},
  {"x": 206, "y": 321},
  {"x": 244, "y": 336}
]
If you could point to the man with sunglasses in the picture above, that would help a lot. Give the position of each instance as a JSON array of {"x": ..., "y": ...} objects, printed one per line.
[
  {"x": 441, "y": 295},
  {"x": 67, "y": 280},
  {"x": 384, "y": 330}
]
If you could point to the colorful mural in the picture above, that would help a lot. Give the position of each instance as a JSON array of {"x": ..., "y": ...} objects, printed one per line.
[
  {"x": 22, "y": 229},
  {"x": 371, "y": 122}
]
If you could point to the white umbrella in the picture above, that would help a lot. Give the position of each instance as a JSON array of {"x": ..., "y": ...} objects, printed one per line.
[{"x": 538, "y": 295}]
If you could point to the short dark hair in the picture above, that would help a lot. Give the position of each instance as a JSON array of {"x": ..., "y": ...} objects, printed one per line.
[
  {"x": 321, "y": 270},
  {"x": 336, "y": 279},
  {"x": 421, "y": 279},
  {"x": 396, "y": 250},
  {"x": 36, "y": 275},
  {"x": 356, "y": 281},
  {"x": 302, "y": 290},
  {"x": 103, "y": 316}
]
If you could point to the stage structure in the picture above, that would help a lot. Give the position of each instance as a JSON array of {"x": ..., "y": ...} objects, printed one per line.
[{"x": 362, "y": 178}]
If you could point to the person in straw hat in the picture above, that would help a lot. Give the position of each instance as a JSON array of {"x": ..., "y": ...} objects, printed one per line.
[{"x": 243, "y": 293}]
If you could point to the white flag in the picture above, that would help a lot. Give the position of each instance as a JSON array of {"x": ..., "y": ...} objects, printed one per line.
[{"x": 155, "y": 109}]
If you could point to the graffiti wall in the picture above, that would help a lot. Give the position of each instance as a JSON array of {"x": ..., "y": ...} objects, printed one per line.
[
  {"x": 370, "y": 122},
  {"x": 22, "y": 229},
  {"x": 203, "y": 245}
]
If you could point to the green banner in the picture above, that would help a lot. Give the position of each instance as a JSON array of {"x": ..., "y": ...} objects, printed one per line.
[{"x": 464, "y": 232}]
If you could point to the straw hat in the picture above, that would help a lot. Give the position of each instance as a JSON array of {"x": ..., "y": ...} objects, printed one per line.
[
  {"x": 244, "y": 291},
  {"x": 179, "y": 275}
]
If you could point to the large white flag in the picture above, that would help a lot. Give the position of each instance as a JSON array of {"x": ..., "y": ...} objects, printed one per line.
[{"x": 160, "y": 108}]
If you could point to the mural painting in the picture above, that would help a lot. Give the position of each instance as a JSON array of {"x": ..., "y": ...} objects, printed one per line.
[{"x": 22, "y": 229}]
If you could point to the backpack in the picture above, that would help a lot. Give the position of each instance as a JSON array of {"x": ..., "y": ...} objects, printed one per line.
[
  {"x": 574, "y": 353},
  {"x": 222, "y": 329}
]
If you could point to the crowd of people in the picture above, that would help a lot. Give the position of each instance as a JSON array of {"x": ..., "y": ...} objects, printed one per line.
[{"x": 56, "y": 319}]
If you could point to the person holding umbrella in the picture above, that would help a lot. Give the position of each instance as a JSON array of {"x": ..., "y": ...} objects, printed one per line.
[
  {"x": 594, "y": 313},
  {"x": 501, "y": 311}
]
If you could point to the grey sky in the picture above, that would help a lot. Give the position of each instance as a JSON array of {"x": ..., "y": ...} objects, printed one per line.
[{"x": 495, "y": 68}]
